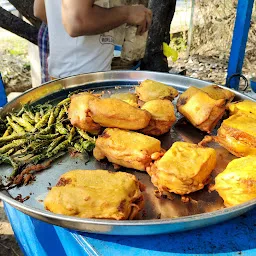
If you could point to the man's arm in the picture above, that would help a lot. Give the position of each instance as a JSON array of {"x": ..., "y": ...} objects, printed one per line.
[
  {"x": 83, "y": 17},
  {"x": 39, "y": 10}
]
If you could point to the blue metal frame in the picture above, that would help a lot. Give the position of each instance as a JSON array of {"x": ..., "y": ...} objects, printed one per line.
[
  {"x": 3, "y": 98},
  {"x": 240, "y": 36}
]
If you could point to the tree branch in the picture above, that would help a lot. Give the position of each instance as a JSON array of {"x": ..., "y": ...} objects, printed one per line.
[
  {"x": 17, "y": 26},
  {"x": 159, "y": 32},
  {"x": 25, "y": 7}
]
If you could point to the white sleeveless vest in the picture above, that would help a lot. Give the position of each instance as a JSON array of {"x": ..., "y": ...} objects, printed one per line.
[{"x": 71, "y": 56}]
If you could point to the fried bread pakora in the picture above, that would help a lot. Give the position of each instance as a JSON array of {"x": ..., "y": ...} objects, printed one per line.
[
  {"x": 246, "y": 106},
  {"x": 237, "y": 183},
  {"x": 153, "y": 90},
  {"x": 97, "y": 194},
  {"x": 119, "y": 114},
  {"x": 126, "y": 148},
  {"x": 183, "y": 169},
  {"x": 128, "y": 97},
  {"x": 218, "y": 93},
  {"x": 200, "y": 109},
  {"x": 78, "y": 113},
  {"x": 238, "y": 134},
  {"x": 163, "y": 117}
]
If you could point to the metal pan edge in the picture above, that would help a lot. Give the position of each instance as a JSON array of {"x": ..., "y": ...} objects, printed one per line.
[{"x": 112, "y": 227}]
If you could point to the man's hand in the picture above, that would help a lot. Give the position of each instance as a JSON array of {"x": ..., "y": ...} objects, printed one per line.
[
  {"x": 139, "y": 16},
  {"x": 83, "y": 17}
]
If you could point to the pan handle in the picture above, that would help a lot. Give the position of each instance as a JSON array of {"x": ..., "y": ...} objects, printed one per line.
[{"x": 246, "y": 83}]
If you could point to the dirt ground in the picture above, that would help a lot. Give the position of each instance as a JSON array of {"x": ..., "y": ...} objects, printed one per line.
[
  {"x": 8, "y": 244},
  {"x": 14, "y": 62}
]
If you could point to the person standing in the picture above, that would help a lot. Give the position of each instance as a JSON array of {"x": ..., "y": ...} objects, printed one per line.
[
  {"x": 43, "y": 45},
  {"x": 80, "y": 35}
]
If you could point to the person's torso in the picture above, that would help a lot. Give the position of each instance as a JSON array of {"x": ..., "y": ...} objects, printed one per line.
[{"x": 72, "y": 56}]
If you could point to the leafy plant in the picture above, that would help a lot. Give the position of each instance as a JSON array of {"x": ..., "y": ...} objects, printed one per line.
[
  {"x": 170, "y": 52},
  {"x": 179, "y": 41}
]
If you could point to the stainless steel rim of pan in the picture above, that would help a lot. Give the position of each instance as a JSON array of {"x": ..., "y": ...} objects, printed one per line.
[{"x": 105, "y": 80}]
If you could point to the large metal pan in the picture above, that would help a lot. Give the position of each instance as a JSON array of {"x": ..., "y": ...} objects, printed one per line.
[{"x": 160, "y": 215}]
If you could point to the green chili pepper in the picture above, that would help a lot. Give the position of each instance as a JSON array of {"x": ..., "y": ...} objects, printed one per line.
[
  {"x": 54, "y": 143},
  {"x": 43, "y": 122},
  {"x": 15, "y": 144},
  {"x": 26, "y": 117},
  {"x": 51, "y": 119},
  {"x": 71, "y": 134},
  {"x": 84, "y": 135},
  {"x": 37, "y": 117},
  {"x": 46, "y": 136},
  {"x": 46, "y": 130},
  {"x": 63, "y": 102},
  {"x": 62, "y": 146},
  {"x": 61, "y": 129},
  {"x": 22, "y": 122},
  {"x": 7, "y": 132},
  {"x": 61, "y": 115},
  {"x": 8, "y": 160},
  {"x": 13, "y": 137},
  {"x": 17, "y": 128},
  {"x": 57, "y": 111}
]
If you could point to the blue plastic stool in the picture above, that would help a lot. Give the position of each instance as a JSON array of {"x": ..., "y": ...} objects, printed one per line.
[
  {"x": 253, "y": 84},
  {"x": 34, "y": 237},
  {"x": 235, "y": 237}
]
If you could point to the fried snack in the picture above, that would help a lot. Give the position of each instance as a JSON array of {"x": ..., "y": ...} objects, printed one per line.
[
  {"x": 246, "y": 106},
  {"x": 163, "y": 117},
  {"x": 237, "y": 183},
  {"x": 152, "y": 90},
  {"x": 126, "y": 148},
  {"x": 97, "y": 194},
  {"x": 238, "y": 134},
  {"x": 200, "y": 109},
  {"x": 218, "y": 93},
  {"x": 183, "y": 169},
  {"x": 127, "y": 97},
  {"x": 119, "y": 114},
  {"x": 78, "y": 113}
]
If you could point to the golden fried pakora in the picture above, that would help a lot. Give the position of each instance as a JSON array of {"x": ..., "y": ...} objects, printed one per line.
[
  {"x": 200, "y": 109},
  {"x": 246, "y": 106},
  {"x": 119, "y": 114},
  {"x": 126, "y": 148},
  {"x": 127, "y": 97},
  {"x": 97, "y": 194},
  {"x": 78, "y": 113},
  {"x": 218, "y": 93},
  {"x": 153, "y": 90},
  {"x": 237, "y": 183},
  {"x": 238, "y": 134},
  {"x": 183, "y": 169},
  {"x": 163, "y": 117}
]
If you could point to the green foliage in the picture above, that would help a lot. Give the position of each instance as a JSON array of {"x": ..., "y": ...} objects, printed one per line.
[
  {"x": 14, "y": 52},
  {"x": 170, "y": 52},
  {"x": 179, "y": 42},
  {"x": 26, "y": 66},
  {"x": 15, "y": 46}
]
